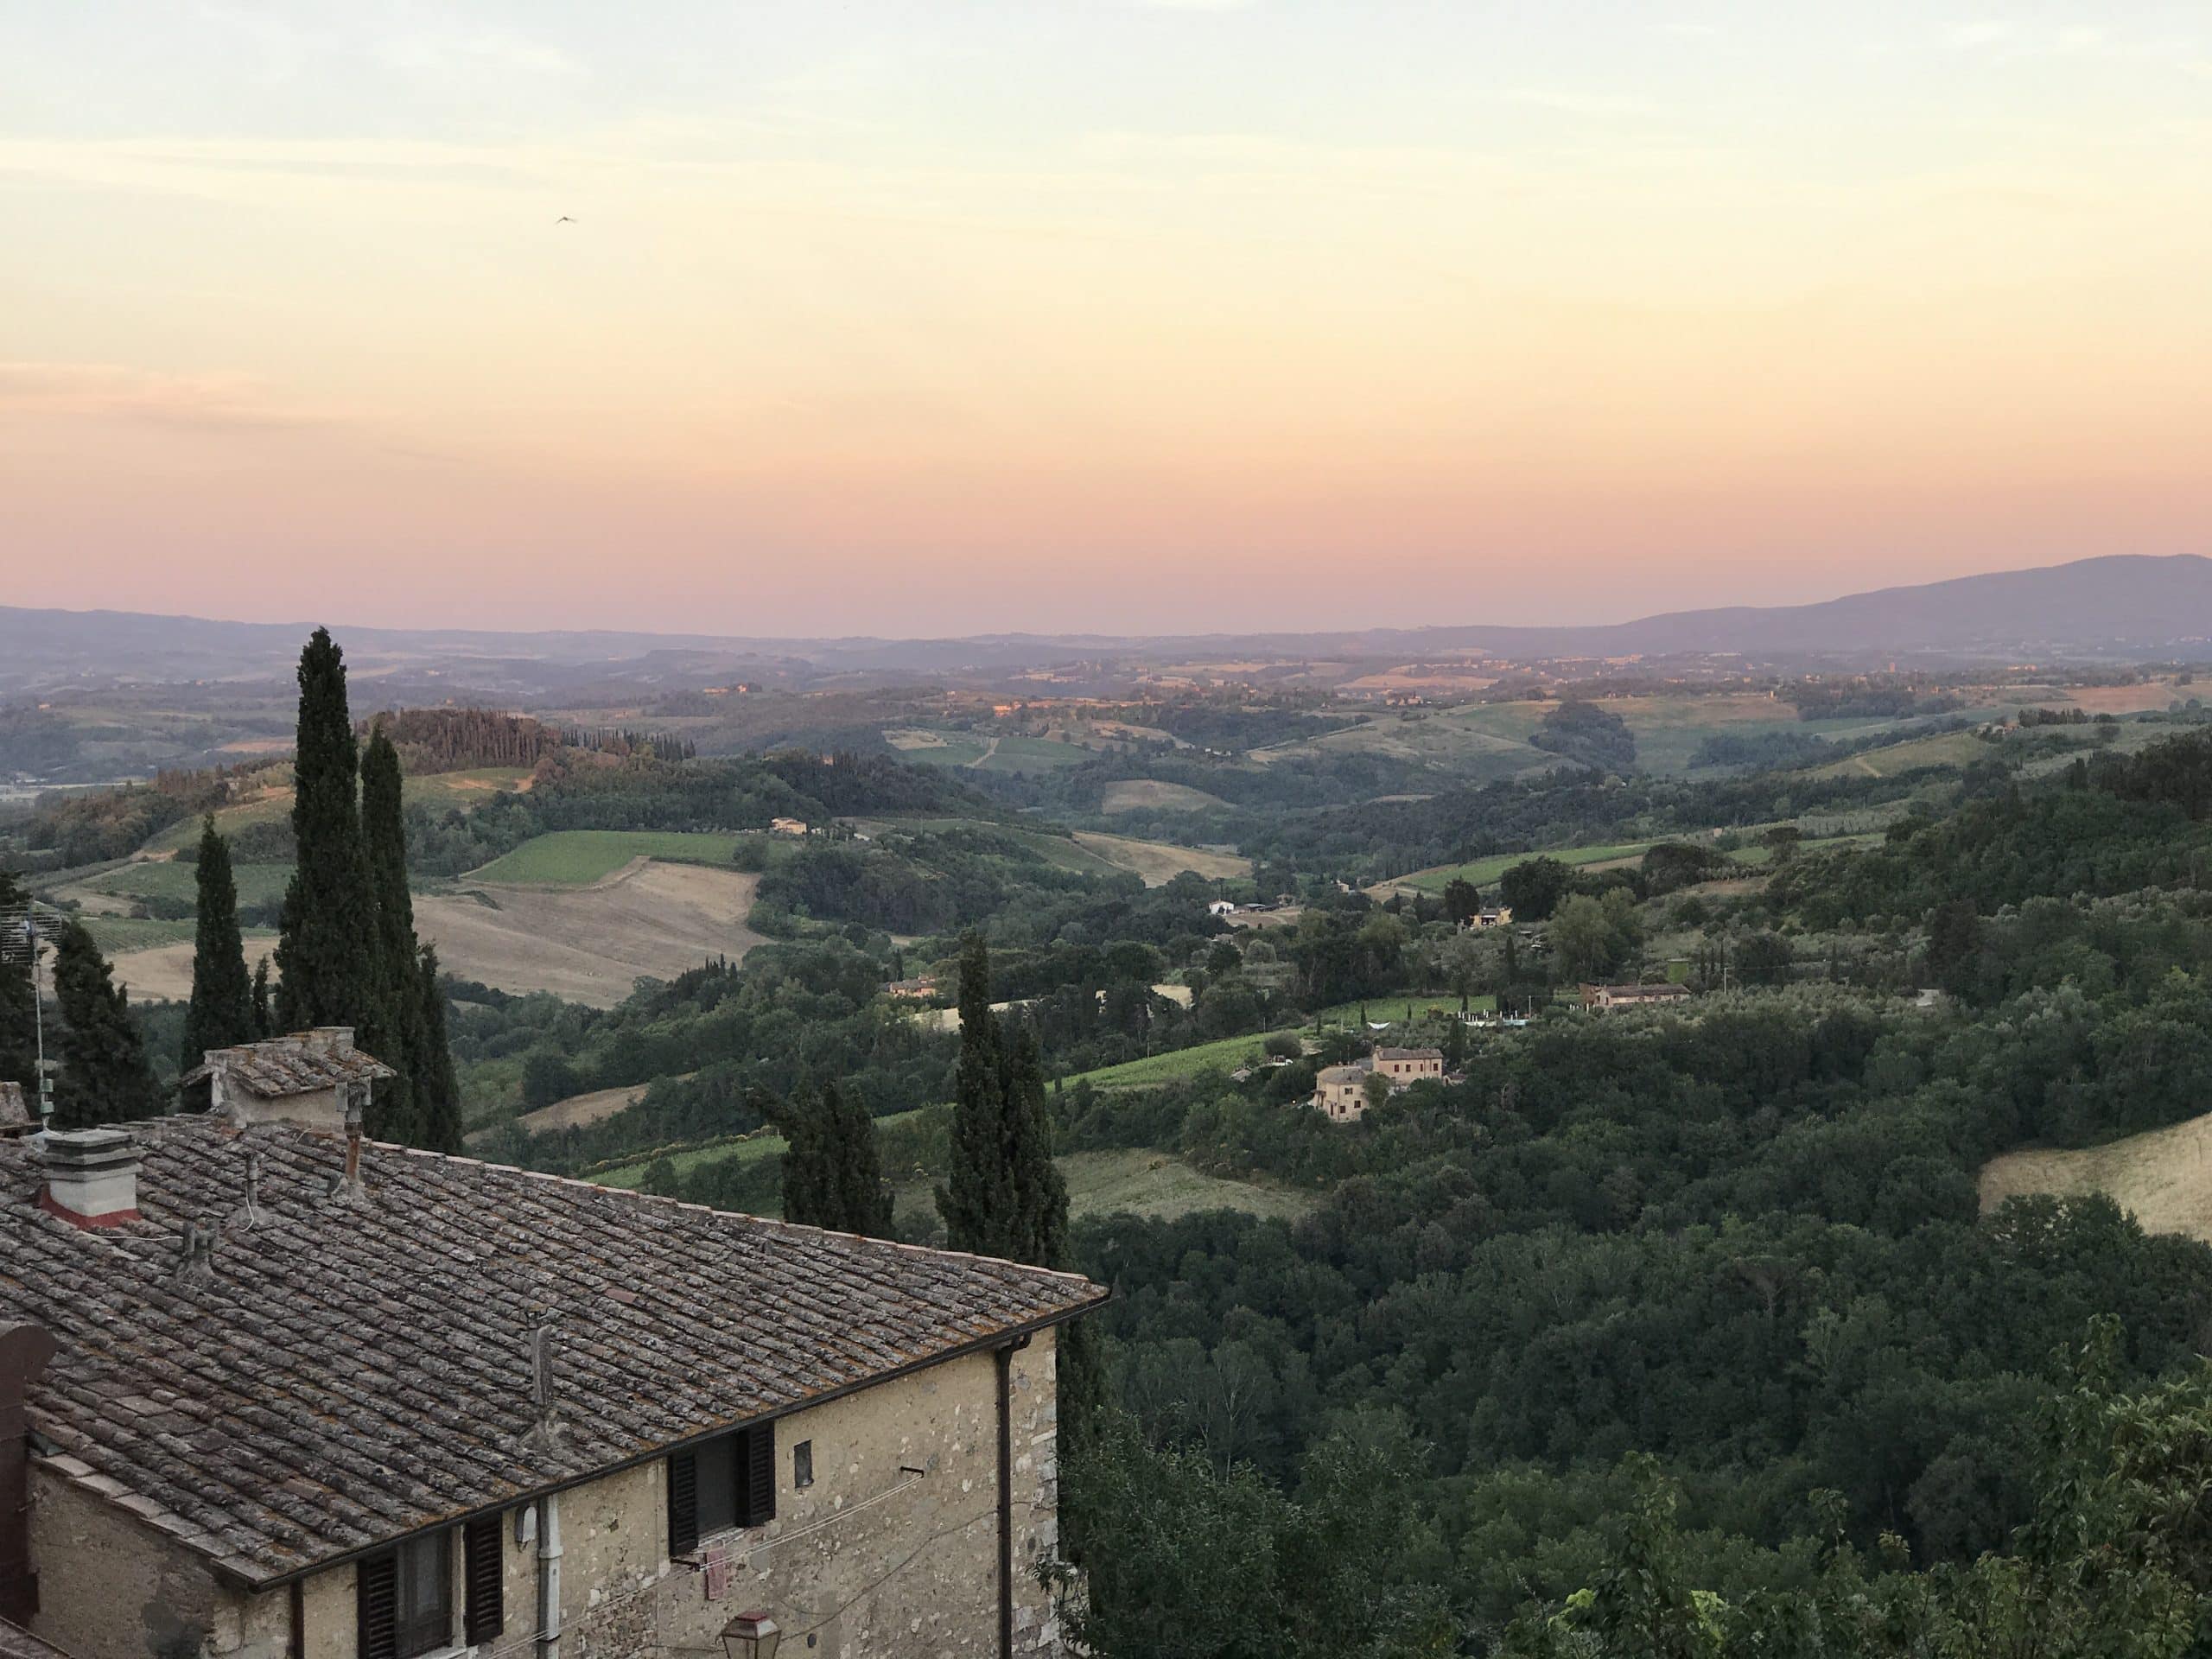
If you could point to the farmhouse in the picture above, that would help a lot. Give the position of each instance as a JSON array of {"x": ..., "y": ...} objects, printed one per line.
[
  {"x": 1604, "y": 998},
  {"x": 1220, "y": 908},
  {"x": 1340, "y": 1091},
  {"x": 787, "y": 826},
  {"x": 1481, "y": 921},
  {"x": 271, "y": 1391},
  {"x": 911, "y": 990}
]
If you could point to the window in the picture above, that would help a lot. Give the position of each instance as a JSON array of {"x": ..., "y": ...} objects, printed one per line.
[
  {"x": 803, "y": 1465},
  {"x": 719, "y": 1484},
  {"x": 404, "y": 1599}
]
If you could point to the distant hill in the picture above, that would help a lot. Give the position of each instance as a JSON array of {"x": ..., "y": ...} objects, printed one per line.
[{"x": 2125, "y": 606}]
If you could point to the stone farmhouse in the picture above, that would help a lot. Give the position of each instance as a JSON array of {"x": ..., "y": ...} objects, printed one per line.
[
  {"x": 1605, "y": 999},
  {"x": 1340, "y": 1091},
  {"x": 268, "y": 1390}
]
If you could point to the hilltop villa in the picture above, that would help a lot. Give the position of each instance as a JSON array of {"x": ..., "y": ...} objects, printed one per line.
[{"x": 1340, "y": 1091}]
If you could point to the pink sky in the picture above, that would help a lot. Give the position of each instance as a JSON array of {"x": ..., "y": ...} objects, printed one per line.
[{"x": 1124, "y": 316}]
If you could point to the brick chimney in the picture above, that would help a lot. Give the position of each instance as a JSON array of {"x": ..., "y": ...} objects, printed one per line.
[{"x": 92, "y": 1177}]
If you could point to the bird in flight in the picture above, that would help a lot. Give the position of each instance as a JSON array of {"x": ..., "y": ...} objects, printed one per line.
[{"x": 564, "y": 219}]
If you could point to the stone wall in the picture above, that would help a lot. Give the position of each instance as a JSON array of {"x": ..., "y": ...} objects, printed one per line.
[{"x": 869, "y": 1559}]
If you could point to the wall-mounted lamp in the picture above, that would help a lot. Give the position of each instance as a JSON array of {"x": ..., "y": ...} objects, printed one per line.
[{"x": 751, "y": 1636}]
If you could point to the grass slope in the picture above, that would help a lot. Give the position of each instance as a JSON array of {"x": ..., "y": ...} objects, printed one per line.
[
  {"x": 579, "y": 857},
  {"x": 2163, "y": 1178}
]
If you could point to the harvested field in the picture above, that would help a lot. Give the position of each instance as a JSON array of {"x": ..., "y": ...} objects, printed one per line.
[
  {"x": 162, "y": 973},
  {"x": 1138, "y": 794},
  {"x": 585, "y": 943},
  {"x": 2163, "y": 1178},
  {"x": 589, "y": 943},
  {"x": 1158, "y": 862}
]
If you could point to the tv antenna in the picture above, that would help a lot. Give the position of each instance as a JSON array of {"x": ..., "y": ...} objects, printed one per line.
[{"x": 20, "y": 944}]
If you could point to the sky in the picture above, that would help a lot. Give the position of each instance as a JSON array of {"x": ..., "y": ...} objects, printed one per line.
[{"x": 943, "y": 318}]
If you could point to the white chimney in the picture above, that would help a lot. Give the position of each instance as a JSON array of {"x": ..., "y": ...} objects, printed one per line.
[{"x": 91, "y": 1176}]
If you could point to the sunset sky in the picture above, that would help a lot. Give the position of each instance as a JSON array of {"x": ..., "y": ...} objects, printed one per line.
[{"x": 944, "y": 317}]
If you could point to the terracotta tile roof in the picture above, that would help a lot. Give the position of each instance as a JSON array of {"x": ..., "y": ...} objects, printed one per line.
[
  {"x": 298, "y": 1064},
  {"x": 337, "y": 1376},
  {"x": 17, "y": 1642},
  {"x": 1408, "y": 1053}
]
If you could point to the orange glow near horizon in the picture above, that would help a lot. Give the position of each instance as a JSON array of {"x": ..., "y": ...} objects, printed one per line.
[{"x": 1271, "y": 316}]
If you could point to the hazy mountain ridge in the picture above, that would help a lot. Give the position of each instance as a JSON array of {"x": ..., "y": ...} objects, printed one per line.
[{"x": 2121, "y": 604}]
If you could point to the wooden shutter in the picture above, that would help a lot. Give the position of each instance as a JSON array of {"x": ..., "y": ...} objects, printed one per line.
[
  {"x": 683, "y": 1503},
  {"x": 756, "y": 1471},
  {"x": 484, "y": 1577},
  {"x": 376, "y": 1607}
]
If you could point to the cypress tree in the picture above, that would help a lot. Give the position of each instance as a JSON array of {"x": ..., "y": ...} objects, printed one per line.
[
  {"x": 860, "y": 1164},
  {"x": 391, "y": 1021},
  {"x": 1040, "y": 1191},
  {"x": 220, "y": 1013},
  {"x": 1005, "y": 1196},
  {"x": 810, "y": 1194},
  {"x": 104, "y": 1077},
  {"x": 326, "y": 941},
  {"x": 437, "y": 1093},
  {"x": 264, "y": 1015},
  {"x": 977, "y": 1200}
]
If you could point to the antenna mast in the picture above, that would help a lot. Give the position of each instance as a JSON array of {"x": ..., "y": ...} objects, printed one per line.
[{"x": 20, "y": 944}]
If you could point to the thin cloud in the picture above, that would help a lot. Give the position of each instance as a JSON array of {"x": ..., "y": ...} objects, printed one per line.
[{"x": 112, "y": 392}]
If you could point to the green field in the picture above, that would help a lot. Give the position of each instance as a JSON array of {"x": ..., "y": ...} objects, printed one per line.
[
  {"x": 1061, "y": 850},
  {"x": 1022, "y": 753},
  {"x": 934, "y": 748},
  {"x": 168, "y": 879},
  {"x": 1135, "y": 1181},
  {"x": 1484, "y": 872},
  {"x": 1946, "y": 749},
  {"x": 579, "y": 857}
]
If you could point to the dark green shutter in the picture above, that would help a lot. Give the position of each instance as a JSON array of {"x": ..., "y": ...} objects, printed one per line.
[
  {"x": 376, "y": 1607},
  {"x": 756, "y": 1469},
  {"x": 484, "y": 1575},
  {"x": 683, "y": 1503}
]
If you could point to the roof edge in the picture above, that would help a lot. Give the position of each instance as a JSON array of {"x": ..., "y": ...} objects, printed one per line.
[{"x": 1006, "y": 1337}]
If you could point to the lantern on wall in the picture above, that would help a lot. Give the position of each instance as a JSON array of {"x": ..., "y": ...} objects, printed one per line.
[{"x": 751, "y": 1636}]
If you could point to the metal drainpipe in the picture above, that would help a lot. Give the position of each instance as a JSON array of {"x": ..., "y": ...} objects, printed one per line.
[
  {"x": 1004, "y": 1359},
  {"x": 549, "y": 1576}
]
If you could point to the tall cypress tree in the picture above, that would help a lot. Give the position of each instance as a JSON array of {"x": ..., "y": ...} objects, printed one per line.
[
  {"x": 391, "y": 1024},
  {"x": 977, "y": 1200},
  {"x": 859, "y": 1163},
  {"x": 437, "y": 1093},
  {"x": 1005, "y": 1196},
  {"x": 325, "y": 941},
  {"x": 264, "y": 1012},
  {"x": 104, "y": 1077},
  {"x": 809, "y": 1187},
  {"x": 1040, "y": 1191},
  {"x": 220, "y": 1013},
  {"x": 832, "y": 1175}
]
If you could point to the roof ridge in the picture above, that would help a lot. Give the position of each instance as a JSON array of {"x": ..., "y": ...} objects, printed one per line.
[{"x": 933, "y": 1250}]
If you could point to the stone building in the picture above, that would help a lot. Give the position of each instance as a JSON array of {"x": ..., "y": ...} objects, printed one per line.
[
  {"x": 283, "y": 1394},
  {"x": 1605, "y": 999},
  {"x": 1340, "y": 1091}
]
